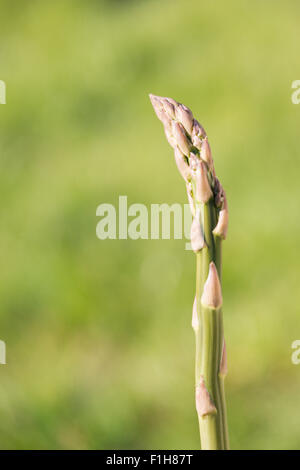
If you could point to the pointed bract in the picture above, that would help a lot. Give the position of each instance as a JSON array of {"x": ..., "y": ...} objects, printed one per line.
[
  {"x": 219, "y": 194},
  {"x": 185, "y": 116},
  {"x": 204, "y": 403},
  {"x": 205, "y": 153},
  {"x": 165, "y": 119},
  {"x": 170, "y": 138},
  {"x": 197, "y": 239},
  {"x": 172, "y": 101},
  {"x": 190, "y": 199},
  {"x": 212, "y": 292},
  {"x": 168, "y": 107},
  {"x": 156, "y": 103},
  {"x": 182, "y": 164},
  {"x": 203, "y": 189},
  {"x": 197, "y": 142},
  {"x": 181, "y": 137},
  {"x": 222, "y": 225},
  {"x": 198, "y": 129},
  {"x": 193, "y": 161},
  {"x": 195, "y": 319}
]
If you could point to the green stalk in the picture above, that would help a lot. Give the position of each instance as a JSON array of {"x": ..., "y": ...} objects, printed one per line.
[
  {"x": 209, "y": 339},
  {"x": 211, "y": 424},
  {"x": 209, "y": 227}
]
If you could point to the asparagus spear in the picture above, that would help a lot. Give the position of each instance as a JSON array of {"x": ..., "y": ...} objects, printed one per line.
[{"x": 209, "y": 227}]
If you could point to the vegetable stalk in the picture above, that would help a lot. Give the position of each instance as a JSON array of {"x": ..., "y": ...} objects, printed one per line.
[{"x": 209, "y": 227}]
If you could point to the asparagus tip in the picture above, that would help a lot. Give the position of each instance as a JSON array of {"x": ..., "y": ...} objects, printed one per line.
[{"x": 154, "y": 100}]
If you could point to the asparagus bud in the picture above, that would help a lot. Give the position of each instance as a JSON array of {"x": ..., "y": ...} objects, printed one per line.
[
  {"x": 219, "y": 193},
  {"x": 204, "y": 403},
  {"x": 165, "y": 119},
  {"x": 181, "y": 137},
  {"x": 185, "y": 116},
  {"x": 197, "y": 239},
  {"x": 222, "y": 225},
  {"x": 172, "y": 101},
  {"x": 189, "y": 132},
  {"x": 212, "y": 293},
  {"x": 203, "y": 189},
  {"x": 198, "y": 133},
  {"x": 170, "y": 138},
  {"x": 168, "y": 107},
  {"x": 194, "y": 161},
  {"x": 182, "y": 165},
  {"x": 205, "y": 153},
  {"x": 156, "y": 103}
]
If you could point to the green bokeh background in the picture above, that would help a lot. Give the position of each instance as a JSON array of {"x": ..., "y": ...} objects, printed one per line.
[{"x": 100, "y": 351}]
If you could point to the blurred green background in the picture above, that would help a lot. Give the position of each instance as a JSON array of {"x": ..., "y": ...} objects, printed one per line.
[{"x": 100, "y": 351}]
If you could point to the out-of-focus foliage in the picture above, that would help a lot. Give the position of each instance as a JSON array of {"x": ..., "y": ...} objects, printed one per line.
[{"x": 99, "y": 345}]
